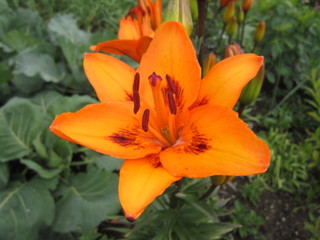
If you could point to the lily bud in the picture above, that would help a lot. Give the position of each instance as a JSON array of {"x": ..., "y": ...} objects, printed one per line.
[
  {"x": 179, "y": 10},
  {"x": 251, "y": 91},
  {"x": 260, "y": 31},
  {"x": 232, "y": 26},
  {"x": 228, "y": 12},
  {"x": 208, "y": 63},
  {"x": 232, "y": 50},
  {"x": 240, "y": 15},
  {"x": 220, "y": 179},
  {"x": 194, "y": 9},
  {"x": 246, "y": 5}
]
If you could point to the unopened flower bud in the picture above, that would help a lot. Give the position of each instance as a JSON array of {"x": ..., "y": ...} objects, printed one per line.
[
  {"x": 240, "y": 15},
  {"x": 246, "y": 5},
  {"x": 232, "y": 50},
  {"x": 220, "y": 179},
  {"x": 194, "y": 9},
  {"x": 232, "y": 26},
  {"x": 179, "y": 10},
  {"x": 260, "y": 31},
  {"x": 251, "y": 91},
  {"x": 208, "y": 63},
  {"x": 228, "y": 12}
]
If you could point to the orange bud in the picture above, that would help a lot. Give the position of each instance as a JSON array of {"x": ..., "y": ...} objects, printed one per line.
[
  {"x": 232, "y": 26},
  {"x": 232, "y": 50},
  {"x": 208, "y": 63},
  {"x": 260, "y": 31},
  {"x": 228, "y": 12},
  {"x": 246, "y": 5}
]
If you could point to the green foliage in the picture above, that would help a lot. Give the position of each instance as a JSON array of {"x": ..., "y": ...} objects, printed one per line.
[
  {"x": 248, "y": 219},
  {"x": 314, "y": 228}
]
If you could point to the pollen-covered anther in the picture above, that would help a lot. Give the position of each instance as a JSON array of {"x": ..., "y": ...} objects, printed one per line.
[
  {"x": 172, "y": 103},
  {"x": 154, "y": 79},
  {"x": 171, "y": 85},
  {"x": 136, "y": 96},
  {"x": 145, "y": 120}
]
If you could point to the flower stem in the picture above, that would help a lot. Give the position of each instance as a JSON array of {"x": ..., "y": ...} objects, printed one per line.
[
  {"x": 240, "y": 109},
  {"x": 243, "y": 29},
  {"x": 210, "y": 190},
  {"x": 202, "y": 10}
]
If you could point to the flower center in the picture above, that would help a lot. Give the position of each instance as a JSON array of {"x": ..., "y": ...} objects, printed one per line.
[{"x": 162, "y": 122}]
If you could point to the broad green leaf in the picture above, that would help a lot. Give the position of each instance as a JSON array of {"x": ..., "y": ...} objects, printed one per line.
[
  {"x": 5, "y": 73},
  {"x": 20, "y": 123},
  {"x": 4, "y": 175},
  {"x": 66, "y": 27},
  {"x": 53, "y": 103},
  {"x": 27, "y": 84},
  {"x": 43, "y": 172},
  {"x": 25, "y": 208},
  {"x": 86, "y": 200},
  {"x": 108, "y": 163},
  {"x": 18, "y": 40},
  {"x": 32, "y": 64}
]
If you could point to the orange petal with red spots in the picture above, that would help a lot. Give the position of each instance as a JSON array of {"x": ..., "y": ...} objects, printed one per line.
[
  {"x": 216, "y": 142},
  {"x": 111, "y": 78},
  {"x": 109, "y": 128},
  {"x": 140, "y": 182},
  {"x": 225, "y": 80}
]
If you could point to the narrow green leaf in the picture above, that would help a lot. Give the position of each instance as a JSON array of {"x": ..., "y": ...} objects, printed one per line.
[{"x": 4, "y": 175}]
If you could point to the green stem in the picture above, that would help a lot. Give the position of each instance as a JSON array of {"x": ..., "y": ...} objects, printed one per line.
[
  {"x": 207, "y": 194},
  {"x": 243, "y": 29},
  {"x": 202, "y": 11},
  {"x": 174, "y": 199},
  {"x": 221, "y": 34}
]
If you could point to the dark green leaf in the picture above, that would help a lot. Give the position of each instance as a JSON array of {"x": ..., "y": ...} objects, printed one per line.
[
  {"x": 4, "y": 175},
  {"x": 18, "y": 40},
  {"x": 86, "y": 200},
  {"x": 20, "y": 123},
  {"x": 25, "y": 208}
]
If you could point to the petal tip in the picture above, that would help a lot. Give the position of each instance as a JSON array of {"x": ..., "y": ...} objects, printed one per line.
[{"x": 130, "y": 218}]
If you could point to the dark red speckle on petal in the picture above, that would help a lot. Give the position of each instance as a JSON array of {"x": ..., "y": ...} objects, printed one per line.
[
  {"x": 125, "y": 137},
  {"x": 199, "y": 142}
]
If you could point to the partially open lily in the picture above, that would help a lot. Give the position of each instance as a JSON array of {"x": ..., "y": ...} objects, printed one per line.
[
  {"x": 164, "y": 120},
  {"x": 136, "y": 31}
]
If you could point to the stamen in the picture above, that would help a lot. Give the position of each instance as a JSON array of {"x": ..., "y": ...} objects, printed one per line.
[
  {"x": 145, "y": 120},
  {"x": 136, "y": 96},
  {"x": 171, "y": 85},
  {"x": 136, "y": 82},
  {"x": 154, "y": 79},
  {"x": 136, "y": 102},
  {"x": 172, "y": 103}
]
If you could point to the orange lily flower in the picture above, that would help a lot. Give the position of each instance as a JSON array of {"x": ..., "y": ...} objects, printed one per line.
[
  {"x": 136, "y": 31},
  {"x": 164, "y": 120}
]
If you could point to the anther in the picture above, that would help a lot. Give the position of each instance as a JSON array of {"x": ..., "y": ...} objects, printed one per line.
[
  {"x": 145, "y": 120},
  {"x": 136, "y": 82},
  {"x": 154, "y": 78},
  {"x": 136, "y": 96},
  {"x": 171, "y": 85},
  {"x": 172, "y": 103}
]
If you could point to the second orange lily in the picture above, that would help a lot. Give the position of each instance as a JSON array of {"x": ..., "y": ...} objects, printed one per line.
[
  {"x": 164, "y": 120},
  {"x": 136, "y": 31}
]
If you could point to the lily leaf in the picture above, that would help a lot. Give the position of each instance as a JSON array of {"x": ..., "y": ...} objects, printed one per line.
[
  {"x": 86, "y": 200},
  {"x": 20, "y": 123},
  {"x": 25, "y": 208}
]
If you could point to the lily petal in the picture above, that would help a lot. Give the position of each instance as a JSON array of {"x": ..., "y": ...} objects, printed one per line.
[
  {"x": 140, "y": 182},
  {"x": 171, "y": 53},
  {"x": 223, "y": 84},
  {"x": 109, "y": 128},
  {"x": 111, "y": 78},
  {"x": 216, "y": 142},
  {"x": 125, "y": 47}
]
